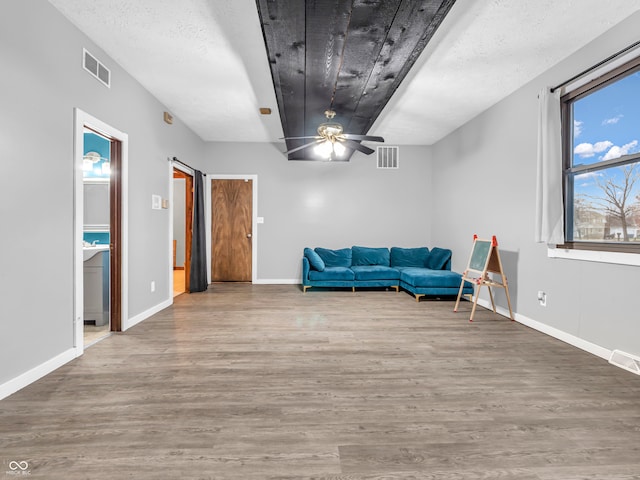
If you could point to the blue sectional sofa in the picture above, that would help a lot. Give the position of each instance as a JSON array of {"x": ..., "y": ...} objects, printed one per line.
[{"x": 416, "y": 270}]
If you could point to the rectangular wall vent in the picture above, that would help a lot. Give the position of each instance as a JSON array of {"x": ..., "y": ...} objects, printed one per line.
[
  {"x": 388, "y": 157},
  {"x": 92, "y": 65}
]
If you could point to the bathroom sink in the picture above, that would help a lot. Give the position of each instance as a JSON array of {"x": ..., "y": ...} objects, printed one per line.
[{"x": 90, "y": 252}]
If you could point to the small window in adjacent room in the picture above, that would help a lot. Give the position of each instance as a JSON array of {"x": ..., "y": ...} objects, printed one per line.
[{"x": 601, "y": 151}]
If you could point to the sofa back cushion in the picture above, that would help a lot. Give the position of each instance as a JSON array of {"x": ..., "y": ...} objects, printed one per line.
[
  {"x": 438, "y": 258},
  {"x": 314, "y": 259},
  {"x": 409, "y": 257},
  {"x": 370, "y": 256},
  {"x": 335, "y": 258}
]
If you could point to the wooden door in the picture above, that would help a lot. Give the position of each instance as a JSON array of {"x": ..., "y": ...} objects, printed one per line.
[
  {"x": 115, "y": 236},
  {"x": 231, "y": 230}
]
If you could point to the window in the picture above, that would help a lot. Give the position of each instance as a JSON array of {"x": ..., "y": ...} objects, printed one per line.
[{"x": 601, "y": 151}]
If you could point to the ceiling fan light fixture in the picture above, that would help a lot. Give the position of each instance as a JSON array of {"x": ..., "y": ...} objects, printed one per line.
[
  {"x": 323, "y": 149},
  {"x": 331, "y": 142},
  {"x": 329, "y": 150},
  {"x": 328, "y": 130}
]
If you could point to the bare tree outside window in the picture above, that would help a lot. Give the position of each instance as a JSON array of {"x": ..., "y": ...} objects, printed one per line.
[{"x": 617, "y": 202}]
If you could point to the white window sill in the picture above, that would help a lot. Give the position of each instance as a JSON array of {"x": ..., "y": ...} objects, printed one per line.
[{"x": 617, "y": 258}]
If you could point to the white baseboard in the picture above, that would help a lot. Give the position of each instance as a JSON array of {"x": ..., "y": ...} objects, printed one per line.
[
  {"x": 146, "y": 314},
  {"x": 36, "y": 373},
  {"x": 577, "y": 342},
  {"x": 277, "y": 281}
]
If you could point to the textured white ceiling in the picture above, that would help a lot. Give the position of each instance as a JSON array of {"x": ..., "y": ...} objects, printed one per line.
[
  {"x": 206, "y": 60},
  {"x": 484, "y": 51}
]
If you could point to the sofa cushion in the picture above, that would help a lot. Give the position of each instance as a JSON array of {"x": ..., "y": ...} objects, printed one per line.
[
  {"x": 424, "y": 277},
  {"x": 331, "y": 274},
  {"x": 375, "y": 272},
  {"x": 438, "y": 258},
  {"x": 314, "y": 259},
  {"x": 370, "y": 256},
  {"x": 335, "y": 258},
  {"x": 409, "y": 257}
]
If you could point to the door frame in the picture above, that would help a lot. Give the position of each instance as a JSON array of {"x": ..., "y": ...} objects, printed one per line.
[
  {"x": 254, "y": 220},
  {"x": 81, "y": 120},
  {"x": 187, "y": 171}
]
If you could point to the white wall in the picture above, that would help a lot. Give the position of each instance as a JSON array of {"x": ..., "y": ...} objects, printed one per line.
[
  {"x": 333, "y": 205},
  {"x": 41, "y": 83},
  {"x": 484, "y": 183}
]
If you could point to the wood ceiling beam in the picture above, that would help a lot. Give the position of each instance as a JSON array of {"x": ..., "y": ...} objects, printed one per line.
[{"x": 362, "y": 49}]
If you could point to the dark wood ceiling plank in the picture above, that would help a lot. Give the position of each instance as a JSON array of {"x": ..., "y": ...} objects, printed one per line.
[
  {"x": 327, "y": 22},
  {"x": 413, "y": 27},
  {"x": 367, "y": 32}
]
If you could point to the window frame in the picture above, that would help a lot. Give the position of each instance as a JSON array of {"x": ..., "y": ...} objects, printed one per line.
[{"x": 566, "y": 101}]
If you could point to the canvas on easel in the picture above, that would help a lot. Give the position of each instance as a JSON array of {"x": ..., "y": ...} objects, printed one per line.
[{"x": 484, "y": 259}]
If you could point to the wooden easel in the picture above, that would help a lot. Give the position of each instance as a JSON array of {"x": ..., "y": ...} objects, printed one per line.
[{"x": 484, "y": 259}]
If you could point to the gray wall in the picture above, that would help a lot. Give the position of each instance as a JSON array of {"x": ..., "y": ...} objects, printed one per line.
[
  {"x": 484, "y": 183},
  {"x": 41, "y": 83},
  {"x": 333, "y": 205}
]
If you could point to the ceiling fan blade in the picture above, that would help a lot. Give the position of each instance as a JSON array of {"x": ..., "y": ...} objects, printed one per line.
[
  {"x": 358, "y": 146},
  {"x": 299, "y": 138},
  {"x": 306, "y": 145},
  {"x": 371, "y": 138}
]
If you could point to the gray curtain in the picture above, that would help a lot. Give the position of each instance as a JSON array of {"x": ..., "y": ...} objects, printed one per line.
[{"x": 198, "y": 277}]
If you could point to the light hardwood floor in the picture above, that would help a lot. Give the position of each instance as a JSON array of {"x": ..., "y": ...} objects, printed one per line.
[
  {"x": 264, "y": 382},
  {"x": 178, "y": 282},
  {"x": 93, "y": 333}
]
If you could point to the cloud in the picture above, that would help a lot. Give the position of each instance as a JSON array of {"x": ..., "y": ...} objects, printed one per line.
[
  {"x": 586, "y": 150},
  {"x": 588, "y": 175},
  {"x": 616, "y": 151},
  {"x": 587, "y": 179},
  {"x": 612, "y": 121},
  {"x": 577, "y": 128}
]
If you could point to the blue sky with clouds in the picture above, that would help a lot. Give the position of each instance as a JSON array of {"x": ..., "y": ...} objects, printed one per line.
[
  {"x": 607, "y": 122},
  {"x": 606, "y": 126}
]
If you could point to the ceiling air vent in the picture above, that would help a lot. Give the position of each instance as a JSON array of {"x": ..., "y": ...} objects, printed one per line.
[
  {"x": 92, "y": 65},
  {"x": 388, "y": 157}
]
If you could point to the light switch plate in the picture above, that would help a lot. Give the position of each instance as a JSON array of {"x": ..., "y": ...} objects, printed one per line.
[{"x": 156, "y": 202}]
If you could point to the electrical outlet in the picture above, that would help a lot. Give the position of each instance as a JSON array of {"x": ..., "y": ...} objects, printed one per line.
[
  {"x": 153, "y": 286},
  {"x": 542, "y": 298}
]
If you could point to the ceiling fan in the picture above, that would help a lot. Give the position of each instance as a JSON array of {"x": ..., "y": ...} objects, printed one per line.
[{"x": 331, "y": 141}]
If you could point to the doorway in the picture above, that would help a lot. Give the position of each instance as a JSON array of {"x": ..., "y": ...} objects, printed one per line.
[
  {"x": 100, "y": 261},
  {"x": 96, "y": 235},
  {"x": 182, "y": 229},
  {"x": 233, "y": 204}
]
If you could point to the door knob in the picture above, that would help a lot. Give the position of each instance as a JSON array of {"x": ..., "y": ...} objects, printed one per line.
[{"x": 248, "y": 235}]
